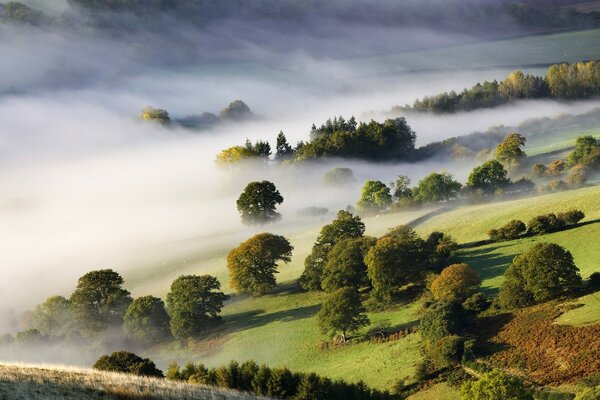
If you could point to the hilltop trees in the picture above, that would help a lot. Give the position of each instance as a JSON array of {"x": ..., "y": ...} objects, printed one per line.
[
  {"x": 257, "y": 203},
  {"x": 146, "y": 320},
  {"x": 545, "y": 272},
  {"x": 236, "y": 111},
  {"x": 345, "y": 226},
  {"x": 253, "y": 264},
  {"x": 342, "y": 312},
  {"x": 375, "y": 197},
  {"x": 99, "y": 301},
  {"x": 194, "y": 302}
]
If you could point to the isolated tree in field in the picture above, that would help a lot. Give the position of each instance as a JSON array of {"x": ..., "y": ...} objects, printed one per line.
[
  {"x": 495, "y": 385},
  {"x": 253, "y": 264},
  {"x": 194, "y": 302},
  {"x": 146, "y": 320},
  {"x": 257, "y": 203},
  {"x": 545, "y": 272},
  {"x": 283, "y": 150},
  {"x": 456, "y": 283},
  {"x": 375, "y": 197},
  {"x": 345, "y": 226},
  {"x": 584, "y": 147},
  {"x": 99, "y": 300},
  {"x": 510, "y": 151},
  {"x": 489, "y": 177},
  {"x": 338, "y": 176},
  {"x": 124, "y": 361},
  {"x": 436, "y": 187},
  {"x": 342, "y": 312},
  {"x": 396, "y": 259},
  {"x": 53, "y": 317},
  {"x": 345, "y": 266},
  {"x": 156, "y": 115}
]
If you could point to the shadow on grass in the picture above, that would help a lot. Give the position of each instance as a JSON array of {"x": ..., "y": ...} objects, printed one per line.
[
  {"x": 256, "y": 318},
  {"x": 488, "y": 262}
]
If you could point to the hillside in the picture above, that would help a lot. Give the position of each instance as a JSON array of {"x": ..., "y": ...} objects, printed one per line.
[{"x": 49, "y": 382}]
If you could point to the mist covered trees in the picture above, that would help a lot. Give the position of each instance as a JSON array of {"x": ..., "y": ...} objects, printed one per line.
[
  {"x": 338, "y": 176},
  {"x": 435, "y": 188},
  {"x": 253, "y": 264},
  {"x": 99, "y": 301},
  {"x": 127, "y": 362},
  {"x": 156, "y": 115},
  {"x": 375, "y": 196},
  {"x": 342, "y": 312},
  {"x": 345, "y": 226},
  {"x": 53, "y": 317},
  {"x": 510, "y": 151},
  {"x": 258, "y": 202},
  {"x": 194, "y": 304},
  {"x": 146, "y": 320},
  {"x": 236, "y": 111},
  {"x": 488, "y": 177},
  {"x": 543, "y": 273}
]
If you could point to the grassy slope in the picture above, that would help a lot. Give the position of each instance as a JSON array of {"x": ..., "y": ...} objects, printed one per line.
[
  {"x": 47, "y": 382},
  {"x": 587, "y": 314},
  {"x": 439, "y": 391},
  {"x": 539, "y": 144}
]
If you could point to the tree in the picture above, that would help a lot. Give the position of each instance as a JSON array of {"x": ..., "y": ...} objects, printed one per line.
[
  {"x": 436, "y": 187},
  {"x": 495, "y": 385},
  {"x": 124, "y": 361},
  {"x": 375, "y": 196},
  {"x": 234, "y": 155},
  {"x": 338, "y": 176},
  {"x": 194, "y": 302},
  {"x": 577, "y": 176},
  {"x": 99, "y": 300},
  {"x": 253, "y": 264},
  {"x": 401, "y": 188},
  {"x": 456, "y": 283},
  {"x": 236, "y": 111},
  {"x": 544, "y": 224},
  {"x": 53, "y": 317},
  {"x": 511, "y": 230},
  {"x": 283, "y": 150},
  {"x": 440, "y": 320},
  {"x": 584, "y": 146},
  {"x": 155, "y": 115},
  {"x": 345, "y": 226},
  {"x": 146, "y": 320},
  {"x": 257, "y": 203},
  {"x": 589, "y": 394},
  {"x": 545, "y": 272},
  {"x": 510, "y": 151},
  {"x": 342, "y": 312},
  {"x": 489, "y": 177},
  {"x": 345, "y": 266},
  {"x": 397, "y": 259}
]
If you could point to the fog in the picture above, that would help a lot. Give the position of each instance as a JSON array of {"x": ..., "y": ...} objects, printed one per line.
[{"x": 86, "y": 185}]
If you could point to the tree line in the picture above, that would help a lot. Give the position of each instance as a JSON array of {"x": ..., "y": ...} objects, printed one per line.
[{"x": 562, "y": 81}]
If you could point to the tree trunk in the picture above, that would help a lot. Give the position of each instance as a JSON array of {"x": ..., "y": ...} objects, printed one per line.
[{"x": 343, "y": 336}]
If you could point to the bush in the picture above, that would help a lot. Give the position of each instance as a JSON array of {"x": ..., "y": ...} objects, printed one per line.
[
  {"x": 593, "y": 281},
  {"x": 477, "y": 303},
  {"x": 511, "y": 230},
  {"x": 495, "y": 385},
  {"x": 440, "y": 320},
  {"x": 544, "y": 224},
  {"x": 571, "y": 217},
  {"x": 446, "y": 352},
  {"x": 456, "y": 282},
  {"x": 124, "y": 361}
]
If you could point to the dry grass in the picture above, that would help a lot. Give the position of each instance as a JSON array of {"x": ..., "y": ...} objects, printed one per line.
[{"x": 49, "y": 382}]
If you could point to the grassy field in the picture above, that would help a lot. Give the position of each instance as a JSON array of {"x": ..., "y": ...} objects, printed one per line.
[
  {"x": 587, "y": 314},
  {"x": 545, "y": 143},
  {"x": 439, "y": 391},
  {"x": 48, "y": 382}
]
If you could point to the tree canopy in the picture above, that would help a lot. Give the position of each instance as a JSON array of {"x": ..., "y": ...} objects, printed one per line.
[
  {"x": 194, "y": 302},
  {"x": 345, "y": 266},
  {"x": 146, "y": 320},
  {"x": 375, "y": 197},
  {"x": 258, "y": 202},
  {"x": 253, "y": 264},
  {"x": 495, "y": 385},
  {"x": 488, "y": 177},
  {"x": 124, "y": 361},
  {"x": 456, "y": 283},
  {"x": 53, "y": 317},
  {"x": 436, "y": 187},
  {"x": 510, "y": 151},
  {"x": 342, "y": 312}
]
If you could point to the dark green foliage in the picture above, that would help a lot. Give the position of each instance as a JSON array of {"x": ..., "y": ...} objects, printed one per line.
[
  {"x": 236, "y": 111},
  {"x": 282, "y": 383},
  {"x": 476, "y": 303},
  {"x": 401, "y": 188},
  {"x": 260, "y": 380},
  {"x": 124, "y": 361},
  {"x": 338, "y": 176},
  {"x": 345, "y": 266},
  {"x": 544, "y": 224},
  {"x": 53, "y": 317},
  {"x": 545, "y": 272},
  {"x": 510, "y": 231},
  {"x": 571, "y": 217},
  {"x": 593, "y": 281},
  {"x": 342, "y": 312},
  {"x": 99, "y": 301},
  {"x": 391, "y": 140},
  {"x": 253, "y": 264},
  {"x": 257, "y": 203},
  {"x": 310, "y": 388},
  {"x": 18, "y": 12},
  {"x": 345, "y": 226},
  {"x": 488, "y": 177},
  {"x": 194, "y": 303},
  {"x": 146, "y": 320},
  {"x": 30, "y": 337},
  {"x": 584, "y": 147},
  {"x": 398, "y": 258},
  {"x": 440, "y": 320},
  {"x": 550, "y": 395},
  {"x": 441, "y": 249},
  {"x": 446, "y": 351},
  {"x": 435, "y": 188},
  {"x": 283, "y": 150},
  {"x": 375, "y": 197}
]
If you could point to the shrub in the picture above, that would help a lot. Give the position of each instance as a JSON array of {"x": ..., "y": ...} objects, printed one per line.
[
  {"x": 476, "y": 303},
  {"x": 456, "y": 282},
  {"x": 593, "y": 281},
  {"x": 440, "y": 320},
  {"x": 571, "y": 217},
  {"x": 146, "y": 320},
  {"x": 446, "y": 352},
  {"x": 124, "y": 361},
  {"x": 544, "y": 224},
  {"x": 511, "y": 230},
  {"x": 495, "y": 385}
]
